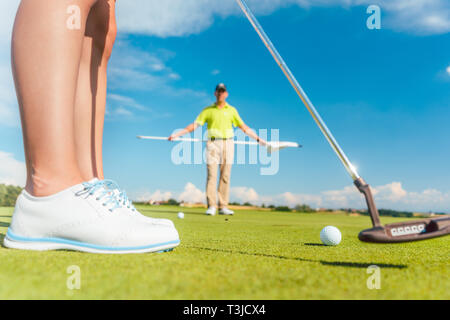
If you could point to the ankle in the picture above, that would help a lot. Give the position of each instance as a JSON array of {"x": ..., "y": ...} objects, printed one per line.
[{"x": 40, "y": 186}]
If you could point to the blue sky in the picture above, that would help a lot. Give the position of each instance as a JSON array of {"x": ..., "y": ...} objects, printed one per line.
[{"x": 383, "y": 93}]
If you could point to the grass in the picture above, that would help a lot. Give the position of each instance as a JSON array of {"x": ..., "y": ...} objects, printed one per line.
[{"x": 252, "y": 255}]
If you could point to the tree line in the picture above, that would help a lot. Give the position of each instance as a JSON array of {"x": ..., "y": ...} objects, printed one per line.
[{"x": 8, "y": 195}]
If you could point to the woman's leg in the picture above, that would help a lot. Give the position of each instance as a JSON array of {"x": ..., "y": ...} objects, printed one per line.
[
  {"x": 46, "y": 52},
  {"x": 91, "y": 90}
]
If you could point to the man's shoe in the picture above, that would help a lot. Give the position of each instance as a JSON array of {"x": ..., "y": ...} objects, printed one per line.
[
  {"x": 85, "y": 217},
  {"x": 226, "y": 212},
  {"x": 211, "y": 211}
]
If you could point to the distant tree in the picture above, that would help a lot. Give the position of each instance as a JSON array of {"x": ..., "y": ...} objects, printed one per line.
[
  {"x": 247, "y": 204},
  {"x": 8, "y": 195},
  {"x": 394, "y": 213},
  {"x": 172, "y": 202},
  {"x": 304, "y": 208},
  {"x": 235, "y": 204},
  {"x": 391, "y": 213},
  {"x": 263, "y": 205},
  {"x": 283, "y": 208},
  {"x": 271, "y": 206}
]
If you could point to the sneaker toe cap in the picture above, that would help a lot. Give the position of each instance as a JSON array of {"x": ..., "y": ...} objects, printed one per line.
[{"x": 152, "y": 235}]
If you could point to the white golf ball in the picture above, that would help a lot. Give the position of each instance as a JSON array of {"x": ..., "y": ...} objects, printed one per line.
[
  {"x": 180, "y": 215},
  {"x": 330, "y": 236}
]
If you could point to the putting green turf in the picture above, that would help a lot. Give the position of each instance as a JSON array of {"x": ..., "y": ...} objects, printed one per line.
[{"x": 252, "y": 255}]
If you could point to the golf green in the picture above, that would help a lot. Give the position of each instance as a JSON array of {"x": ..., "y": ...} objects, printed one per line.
[{"x": 252, "y": 255}]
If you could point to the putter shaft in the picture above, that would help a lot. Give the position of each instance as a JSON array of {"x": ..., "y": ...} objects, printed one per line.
[{"x": 301, "y": 93}]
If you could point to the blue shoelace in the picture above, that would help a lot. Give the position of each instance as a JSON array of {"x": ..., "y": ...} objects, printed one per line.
[
  {"x": 99, "y": 188},
  {"x": 121, "y": 196}
]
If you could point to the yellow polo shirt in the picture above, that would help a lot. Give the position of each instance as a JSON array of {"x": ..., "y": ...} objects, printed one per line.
[{"x": 220, "y": 121}]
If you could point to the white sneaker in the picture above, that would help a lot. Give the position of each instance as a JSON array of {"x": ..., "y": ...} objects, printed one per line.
[
  {"x": 122, "y": 198},
  {"x": 85, "y": 217},
  {"x": 226, "y": 211},
  {"x": 211, "y": 211}
]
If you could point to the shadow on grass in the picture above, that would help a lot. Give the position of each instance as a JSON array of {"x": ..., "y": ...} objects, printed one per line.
[
  {"x": 315, "y": 244},
  {"x": 172, "y": 211},
  {"x": 2, "y": 236},
  {"x": 327, "y": 263},
  {"x": 363, "y": 265},
  {"x": 4, "y": 224},
  {"x": 253, "y": 254}
]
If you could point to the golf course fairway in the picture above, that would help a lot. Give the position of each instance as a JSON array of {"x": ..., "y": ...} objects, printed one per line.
[{"x": 251, "y": 255}]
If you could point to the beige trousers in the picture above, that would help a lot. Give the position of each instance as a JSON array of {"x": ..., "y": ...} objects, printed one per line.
[{"x": 219, "y": 152}]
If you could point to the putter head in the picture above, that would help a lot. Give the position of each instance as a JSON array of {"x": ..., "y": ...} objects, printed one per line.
[
  {"x": 407, "y": 231},
  {"x": 400, "y": 231}
]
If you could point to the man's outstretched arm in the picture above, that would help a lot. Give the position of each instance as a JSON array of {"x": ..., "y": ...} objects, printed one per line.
[
  {"x": 186, "y": 130},
  {"x": 252, "y": 134}
]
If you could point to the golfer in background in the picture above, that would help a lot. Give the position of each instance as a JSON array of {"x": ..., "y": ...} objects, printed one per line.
[{"x": 220, "y": 118}]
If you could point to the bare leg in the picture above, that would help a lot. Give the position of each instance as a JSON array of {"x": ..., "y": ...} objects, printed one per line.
[
  {"x": 91, "y": 90},
  {"x": 45, "y": 60}
]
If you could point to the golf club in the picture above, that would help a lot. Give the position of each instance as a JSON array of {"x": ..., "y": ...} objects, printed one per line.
[
  {"x": 398, "y": 232},
  {"x": 272, "y": 146}
]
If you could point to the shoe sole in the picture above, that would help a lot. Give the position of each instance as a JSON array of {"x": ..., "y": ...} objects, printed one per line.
[{"x": 13, "y": 241}]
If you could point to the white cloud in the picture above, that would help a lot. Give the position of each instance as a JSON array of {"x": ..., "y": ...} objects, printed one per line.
[
  {"x": 186, "y": 17},
  {"x": 444, "y": 74},
  {"x": 8, "y": 13},
  {"x": 390, "y": 192},
  {"x": 12, "y": 171},
  {"x": 139, "y": 70},
  {"x": 9, "y": 111},
  {"x": 9, "y": 114},
  {"x": 120, "y": 111},
  {"x": 156, "y": 196},
  {"x": 174, "y": 76},
  {"x": 192, "y": 194},
  {"x": 120, "y": 107},
  {"x": 418, "y": 16},
  {"x": 244, "y": 194},
  {"x": 215, "y": 72},
  {"x": 292, "y": 200},
  {"x": 390, "y": 196},
  {"x": 126, "y": 101},
  {"x": 134, "y": 58},
  {"x": 167, "y": 18},
  {"x": 133, "y": 69}
]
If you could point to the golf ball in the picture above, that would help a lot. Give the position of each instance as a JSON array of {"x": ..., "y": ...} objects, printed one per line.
[
  {"x": 180, "y": 215},
  {"x": 330, "y": 236}
]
